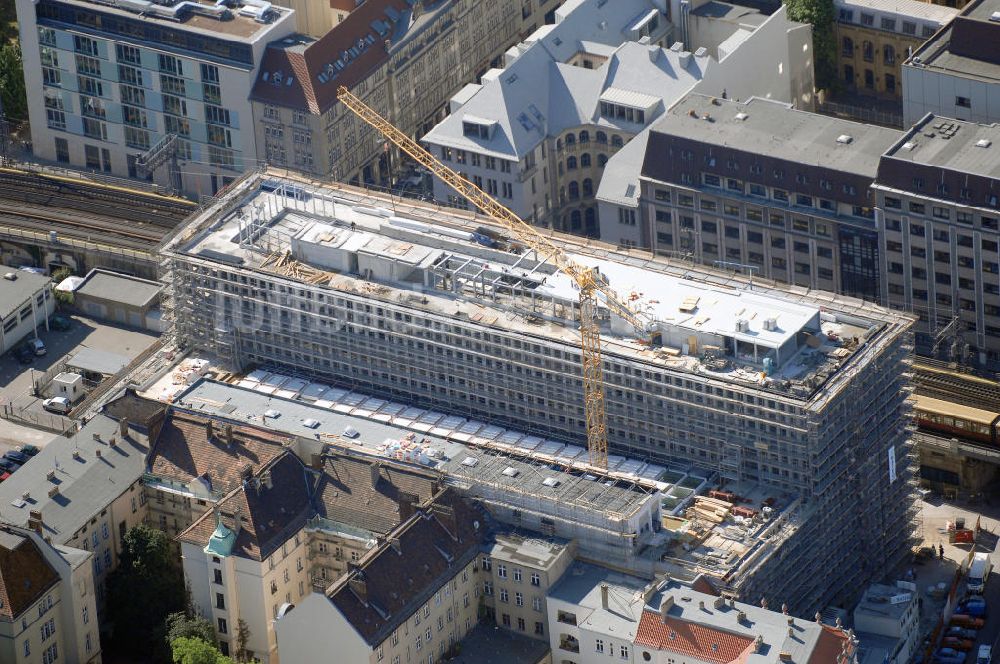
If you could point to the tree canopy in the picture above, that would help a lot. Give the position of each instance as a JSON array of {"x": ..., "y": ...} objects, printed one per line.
[
  {"x": 196, "y": 651},
  {"x": 147, "y": 586}
]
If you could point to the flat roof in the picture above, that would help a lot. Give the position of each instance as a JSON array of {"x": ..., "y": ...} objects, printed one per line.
[
  {"x": 14, "y": 293},
  {"x": 884, "y": 601},
  {"x": 968, "y": 47},
  {"x": 957, "y": 145},
  {"x": 98, "y": 361},
  {"x": 681, "y": 303},
  {"x": 121, "y": 288},
  {"x": 581, "y": 585},
  {"x": 529, "y": 550},
  {"x": 775, "y": 129},
  {"x": 915, "y": 10},
  {"x": 208, "y": 20}
]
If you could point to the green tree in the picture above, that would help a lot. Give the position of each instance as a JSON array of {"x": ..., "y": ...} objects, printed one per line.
[
  {"x": 242, "y": 655},
  {"x": 146, "y": 588},
  {"x": 12, "y": 90},
  {"x": 820, "y": 14},
  {"x": 184, "y": 625},
  {"x": 196, "y": 651}
]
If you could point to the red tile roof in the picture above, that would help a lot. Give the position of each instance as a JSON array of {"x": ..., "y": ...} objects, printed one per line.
[
  {"x": 25, "y": 575},
  {"x": 828, "y": 646},
  {"x": 687, "y": 638},
  {"x": 306, "y": 92}
]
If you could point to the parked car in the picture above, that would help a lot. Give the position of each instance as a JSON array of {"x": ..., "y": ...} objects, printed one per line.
[
  {"x": 965, "y": 620},
  {"x": 985, "y": 655},
  {"x": 30, "y": 450},
  {"x": 4, "y": 475},
  {"x": 24, "y": 355},
  {"x": 949, "y": 656},
  {"x": 16, "y": 456},
  {"x": 961, "y": 632},
  {"x": 8, "y": 465},
  {"x": 38, "y": 347},
  {"x": 957, "y": 643},
  {"x": 974, "y": 606},
  {"x": 59, "y": 405},
  {"x": 59, "y": 323}
]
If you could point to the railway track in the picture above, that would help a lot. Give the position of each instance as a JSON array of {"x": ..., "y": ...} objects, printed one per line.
[
  {"x": 82, "y": 226},
  {"x": 938, "y": 380}
]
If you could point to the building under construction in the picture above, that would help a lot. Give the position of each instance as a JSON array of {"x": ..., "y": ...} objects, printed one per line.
[{"x": 763, "y": 384}]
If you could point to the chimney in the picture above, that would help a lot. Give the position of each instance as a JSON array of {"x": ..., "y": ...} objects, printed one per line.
[
  {"x": 784, "y": 609},
  {"x": 446, "y": 517},
  {"x": 237, "y": 521},
  {"x": 604, "y": 596},
  {"x": 732, "y": 602},
  {"x": 758, "y": 643},
  {"x": 818, "y": 617},
  {"x": 665, "y": 606},
  {"x": 97, "y": 453},
  {"x": 701, "y": 604},
  {"x": 359, "y": 587},
  {"x": 407, "y": 505},
  {"x": 268, "y": 483},
  {"x": 123, "y": 428},
  {"x": 396, "y": 545},
  {"x": 209, "y": 431},
  {"x": 316, "y": 462},
  {"x": 719, "y": 602},
  {"x": 227, "y": 434},
  {"x": 684, "y": 59},
  {"x": 763, "y": 602},
  {"x": 791, "y": 632},
  {"x": 246, "y": 471},
  {"x": 741, "y": 616},
  {"x": 35, "y": 521},
  {"x": 376, "y": 473}
]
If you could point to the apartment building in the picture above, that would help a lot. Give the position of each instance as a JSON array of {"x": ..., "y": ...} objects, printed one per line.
[
  {"x": 109, "y": 83},
  {"x": 404, "y": 59},
  {"x": 936, "y": 191},
  {"x": 598, "y": 615},
  {"x": 410, "y": 598},
  {"x": 522, "y": 568},
  {"x": 874, "y": 37},
  {"x": 26, "y": 303},
  {"x": 85, "y": 490},
  {"x": 760, "y": 188},
  {"x": 537, "y": 134},
  {"x": 956, "y": 73},
  {"x": 47, "y": 608},
  {"x": 266, "y": 278}
]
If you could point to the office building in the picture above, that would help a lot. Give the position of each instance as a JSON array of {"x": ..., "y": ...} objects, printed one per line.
[
  {"x": 940, "y": 234},
  {"x": 404, "y": 59},
  {"x": 597, "y": 614},
  {"x": 956, "y": 73},
  {"x": 537, "y": 134},
  {"x": 887, "y": 624},
  {"x": 443, "y": 322},
  {"x": 109, "y": 82},
  {"x": 47, "y": 607},
  {"x": 875, "y": 37},
  {"x": 26, "y": 303},
  {"x": 756, "y": 187}
]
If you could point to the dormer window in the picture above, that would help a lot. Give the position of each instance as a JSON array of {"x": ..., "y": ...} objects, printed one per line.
[{"x": 478, "y": 128}]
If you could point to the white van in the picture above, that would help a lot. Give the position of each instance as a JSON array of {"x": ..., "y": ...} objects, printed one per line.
[
  {"x": 59, "y": 405},
  {"x": 985, "y": 655},
  {"x": 979, "y": 573}
]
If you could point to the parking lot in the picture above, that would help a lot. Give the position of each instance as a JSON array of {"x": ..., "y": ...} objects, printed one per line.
[{"x": 16, "y": 378}]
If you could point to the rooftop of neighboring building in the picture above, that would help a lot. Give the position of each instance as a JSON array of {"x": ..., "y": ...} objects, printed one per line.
[
  {"x": 199, "y": 454},
  {"x": 84, "y": 472},
  {"x": 920, "y": 14},
  {"x": 119, "y": 288},
  {"x": 725, "y": 11},
  {"x": 774, "y": 129},
  {"x": 17, "y": 287},
  {"x": 415, "y": 560},
  {"x": 245, "y": 20},
  {"x": 304, "y": 73},
  {"x": 969, "y": 47},
  {"x": 875, "y": 648},
  {"x": 529, "y": 550},
  {"x": 486, "y": 644},
  {"x": 585, "y": 585},
  {"x": 25, "y": 575},
  {"x": 678, "y": 619},
  {"x": 538, "y": 96},
  {"x": 954, "y": 145},
  {"x": 884, "y": 601},
  {"x": 261, "y": 514},
  {"x": 620, "y": 181}
]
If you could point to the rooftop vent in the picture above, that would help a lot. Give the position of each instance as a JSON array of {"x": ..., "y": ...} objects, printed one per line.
[
  {"x": 845, "y": 139},
  {"x": 909, "y": 145},
  {"x": 995, "y": 16},
  {"x": 984, "y": 142},
  {"x": 510, "y": 471},
  {"x": 551, "y": 481},
  {"x": 470, "y": 461},
  {"x": 10, "y": 276},
  {"x": 53, "y": 491},
  {"x": 741, "y": 116}
]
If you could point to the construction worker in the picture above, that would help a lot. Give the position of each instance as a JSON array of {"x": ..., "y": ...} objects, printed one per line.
[{"x": 941, "y": 551}]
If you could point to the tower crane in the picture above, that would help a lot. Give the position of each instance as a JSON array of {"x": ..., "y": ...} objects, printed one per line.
[{"x": 587, "y": 279}]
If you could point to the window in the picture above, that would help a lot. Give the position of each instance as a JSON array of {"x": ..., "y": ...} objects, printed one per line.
[
  {"x": 888, "y": 53},
  {"x": 536, "y": 580},
  {"x": 571, "y": 163},
  {"x": 216, "y": 115},
  {"x": 220, "y": 601},
  {"x": 487, "y": 588},
  {"x": 909, "y": 28},
  {"x": 539, "y": 628},
  {"x": 223, "y": 627},
  {"x": 623, "y": 652},
  {"x": 519, "y": 599},
  {"x": 520, "y": 624},
  {"x": 917, "y": 208},
  {"x": 867, "y": 19},
  {"x": 868, "y": 51},
  {"x": 171, "y": 65},
  {"x": 964, "y": 102},
  {"x": 847, "y": 47},
  {"x": 599, "y": 645},
  {"x": 504, "y": 597}
]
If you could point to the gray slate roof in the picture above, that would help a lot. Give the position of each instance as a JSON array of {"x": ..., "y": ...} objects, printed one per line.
[
  {"x": 14, "y": 293},
  {"x": 131, "y": 291}
]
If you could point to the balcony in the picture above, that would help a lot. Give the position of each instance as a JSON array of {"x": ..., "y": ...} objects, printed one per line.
[
  {"x": 566, "y": 618},
  {"x": 568, "y": 643}
]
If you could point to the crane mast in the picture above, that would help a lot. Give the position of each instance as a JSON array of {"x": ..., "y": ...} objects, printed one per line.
[{"x": 545, "y": 249}]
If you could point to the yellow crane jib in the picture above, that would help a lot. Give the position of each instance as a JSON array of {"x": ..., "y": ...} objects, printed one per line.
[{"x": 586, "y": 278}]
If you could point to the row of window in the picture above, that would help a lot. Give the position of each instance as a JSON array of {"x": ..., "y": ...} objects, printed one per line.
[
  {"x": 886, "y": 23},
  {"x": 600, "y": 137}
]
